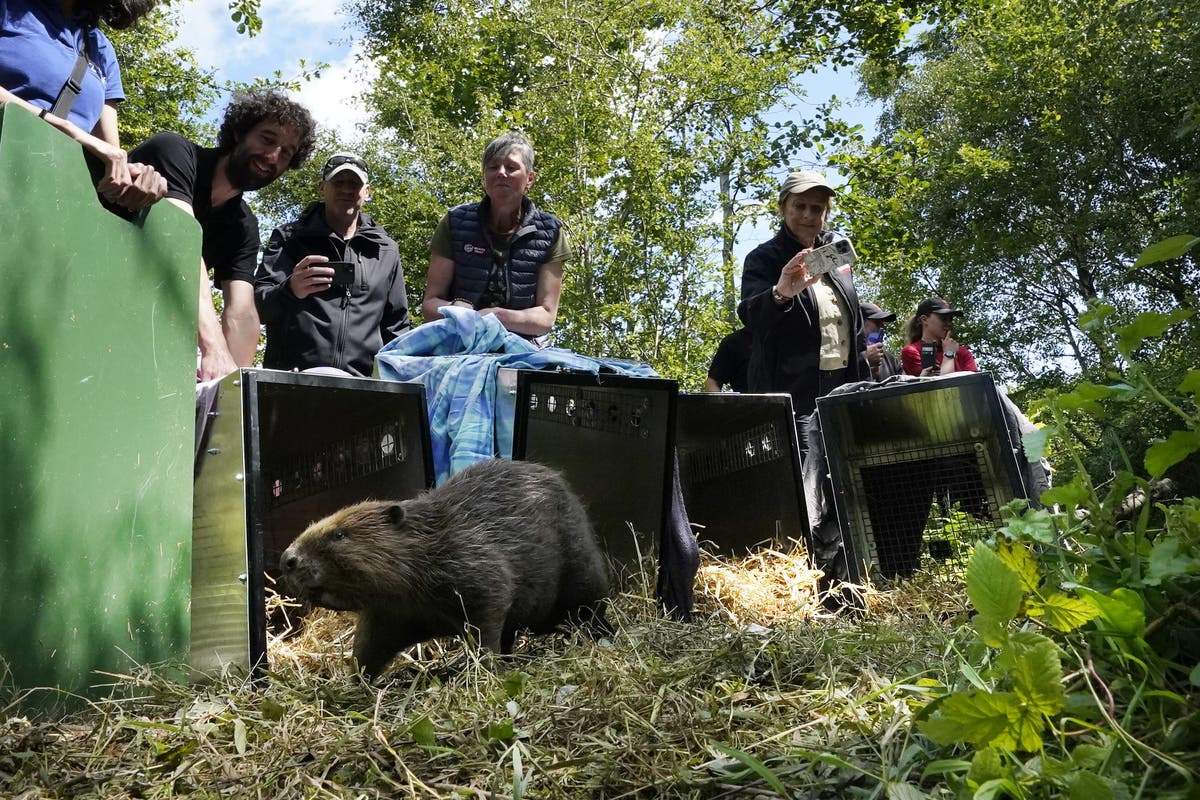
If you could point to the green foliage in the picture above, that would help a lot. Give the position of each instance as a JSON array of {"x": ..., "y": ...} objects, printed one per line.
[
  {"x": 1094, "y": 586},
  {"x": 1024, "y": 165}
]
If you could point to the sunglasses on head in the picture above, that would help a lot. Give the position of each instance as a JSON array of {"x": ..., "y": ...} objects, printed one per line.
[{"x": 338, "y": 161}]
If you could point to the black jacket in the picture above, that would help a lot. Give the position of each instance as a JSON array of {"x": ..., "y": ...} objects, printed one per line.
[
  {"x": 787, "y": 347},
  {"x": 342, "y": 327}
]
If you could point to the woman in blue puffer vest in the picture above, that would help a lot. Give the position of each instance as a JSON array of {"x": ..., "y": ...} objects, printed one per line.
[{"x": 501, "y": 255}]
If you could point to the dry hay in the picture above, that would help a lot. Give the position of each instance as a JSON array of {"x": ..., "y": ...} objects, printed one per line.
[{"x": 662, "y": 709}]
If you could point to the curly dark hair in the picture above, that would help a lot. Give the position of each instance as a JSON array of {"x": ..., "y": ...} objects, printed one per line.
[
  {"x": 118, "y": 14},
  {"x": 251, "y": 108}
]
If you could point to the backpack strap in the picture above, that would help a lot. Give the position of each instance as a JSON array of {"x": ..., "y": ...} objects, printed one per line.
[{"x": 72, "y": 88}]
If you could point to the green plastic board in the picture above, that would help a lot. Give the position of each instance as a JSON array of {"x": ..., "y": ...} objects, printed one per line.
[{"x": 97, "y": 400}]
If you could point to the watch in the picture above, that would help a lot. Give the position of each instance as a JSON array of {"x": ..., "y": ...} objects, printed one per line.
[
  {"x": 779, "y": 299},
  {"x": 949, "y": 353}
]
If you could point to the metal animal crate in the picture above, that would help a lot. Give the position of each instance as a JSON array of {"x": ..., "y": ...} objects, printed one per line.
[
  {"x": 282, "y": 450},
  {"x": 920, "y": 471},
  {"x": 739, "y": 464},
  {"x": 612, "y": 437}
]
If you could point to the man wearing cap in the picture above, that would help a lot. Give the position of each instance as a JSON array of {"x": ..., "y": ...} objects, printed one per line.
[
  {"x": 931, "y": 349},
  {"x": 883, "y": 362},
  {"x": 313, "y": 319},
  {"x": 729, "y": 364},
  {"x": 808, "y": 334},
  {"x": 263, "y": 134}
]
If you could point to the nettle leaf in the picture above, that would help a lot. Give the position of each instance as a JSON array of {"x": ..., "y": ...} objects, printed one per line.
[
  {"x": 1034, "y": 444},
  {"x": 1018, "y": 558},
  {"x": 1035, "y": 524},
  {"x": 1169, "y": 560},
  {"x": 1036, "y": 671},
  {"x": 1162, "y": 455},
  {"x": 1147, "y": 325},
  {"x": 1167, "y": 249},
  {"x": 1073, "y": 494},
  {"x": 993, "y": 587},
  {"x": 1094, "y": 316},
  {"x": 976, "y": 717},
  {"x": 1089, "y": 786},
  {"x": 1062, "y": 612},
  {"x": 423, "y": 732},
  {"x": 1122, "y": 611},
  {"x": 1086, "y": 397}
]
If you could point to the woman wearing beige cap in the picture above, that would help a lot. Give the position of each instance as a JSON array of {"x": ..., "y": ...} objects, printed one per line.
[{"x": 808, "y": 332}]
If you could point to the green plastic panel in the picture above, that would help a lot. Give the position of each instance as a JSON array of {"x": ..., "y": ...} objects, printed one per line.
[{"x": 97, "y": 400}]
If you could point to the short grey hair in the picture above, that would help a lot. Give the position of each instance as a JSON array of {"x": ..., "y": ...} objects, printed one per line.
[{"x": 502, "y": 144}]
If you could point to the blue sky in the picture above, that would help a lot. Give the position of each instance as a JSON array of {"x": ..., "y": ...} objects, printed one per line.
[{"x": 317, "y": 30}]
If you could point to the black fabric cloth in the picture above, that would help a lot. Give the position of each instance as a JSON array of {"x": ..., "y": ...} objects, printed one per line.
[
  {"x": 732, "y": 359},
  {"x": 230, "y": 231},
  {"x": 343, "y": 326},
  {"x": 786, "y": 355},
  {"x": 678, "y": 556},
  {"x": 475, "y": 259}
]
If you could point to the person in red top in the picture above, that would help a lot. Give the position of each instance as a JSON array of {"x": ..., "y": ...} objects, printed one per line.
[{"x": 930, "y": 330}]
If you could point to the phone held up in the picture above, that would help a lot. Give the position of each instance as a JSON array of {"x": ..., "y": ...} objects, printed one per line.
[
  {"x": 343, "y": 272},
  {"x": 874, "y": 337},
  {"x": 829, "y": 257},
  {"x": 928, "y": 355}
]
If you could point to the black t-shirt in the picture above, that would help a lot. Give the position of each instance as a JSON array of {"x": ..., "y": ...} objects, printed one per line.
[
  {"x": 732, "y": 359},
  {"x": 230, "y": 231}
]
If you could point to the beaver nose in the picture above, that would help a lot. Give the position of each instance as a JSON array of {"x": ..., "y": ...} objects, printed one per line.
[{"x": 289, "y": 560}]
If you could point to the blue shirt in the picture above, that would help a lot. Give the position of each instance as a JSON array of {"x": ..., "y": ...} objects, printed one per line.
[{"x": 38, "y": 47}]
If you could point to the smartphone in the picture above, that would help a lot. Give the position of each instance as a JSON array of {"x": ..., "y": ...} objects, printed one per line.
[
  {"x": 343, "y": 272},
  {"x": 928, "y": 355},
  {"x": 874, "y": 337},
  {"x": 829, "y": 257}
]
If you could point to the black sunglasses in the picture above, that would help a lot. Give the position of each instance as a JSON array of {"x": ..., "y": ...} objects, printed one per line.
[{"x": 338, "y": 161}]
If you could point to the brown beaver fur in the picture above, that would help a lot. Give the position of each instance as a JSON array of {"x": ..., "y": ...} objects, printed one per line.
[{"x": 500, "y": 546}]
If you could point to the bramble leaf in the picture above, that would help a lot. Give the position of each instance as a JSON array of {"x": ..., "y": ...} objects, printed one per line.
[
  {"x": 1061, "y": 612},
  {"x": 1191, "y": 382},
  {"x": 1122, "y": 611},
  {"x": 976, "y": 717},
  {"x": 986, "y": 766},
  {"x": 1036, "y": 672},
  {"x": 1162, "y": 455},
  {"x": 992, "y": 631},
  {"x": 1021, "y": 561},
  {"x": 993, "y": 587}
]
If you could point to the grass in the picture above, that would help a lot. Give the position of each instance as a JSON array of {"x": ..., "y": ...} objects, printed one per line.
[{"x": 761, "y": 695}]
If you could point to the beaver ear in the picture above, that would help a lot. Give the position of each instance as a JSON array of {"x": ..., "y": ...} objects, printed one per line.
[{"x": 395, "y": 513}]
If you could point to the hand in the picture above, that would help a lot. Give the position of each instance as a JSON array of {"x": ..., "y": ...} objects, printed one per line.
[
  {"x": 310, "y": 277},
  {"x": 928, "y": 372},
  {"x": 875, "y": 354},
  {"x": 146, "y": 189},
  {"x": 462, "y": 304},
  {"x": 949, "y": 346},
  {"x": 795, "y": 278},
  {"x": 117, "y": 178},
  {"x": 215, "y": 363}
]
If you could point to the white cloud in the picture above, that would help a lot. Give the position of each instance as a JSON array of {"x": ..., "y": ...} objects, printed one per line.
[
  {"x": 312, "y": 30},
  {"x": 334, "y": 98}
]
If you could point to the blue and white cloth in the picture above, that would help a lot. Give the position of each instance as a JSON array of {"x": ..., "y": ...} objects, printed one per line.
[{"x": 456, "y": 358}]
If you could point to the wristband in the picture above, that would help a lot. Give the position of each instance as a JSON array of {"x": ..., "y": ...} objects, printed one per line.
[
  {"x": 42, "y": 115},
  {"x": 779, "y": 299}
]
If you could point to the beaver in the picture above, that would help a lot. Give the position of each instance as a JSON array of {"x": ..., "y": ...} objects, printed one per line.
[{"x": 500, "y": 546}]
